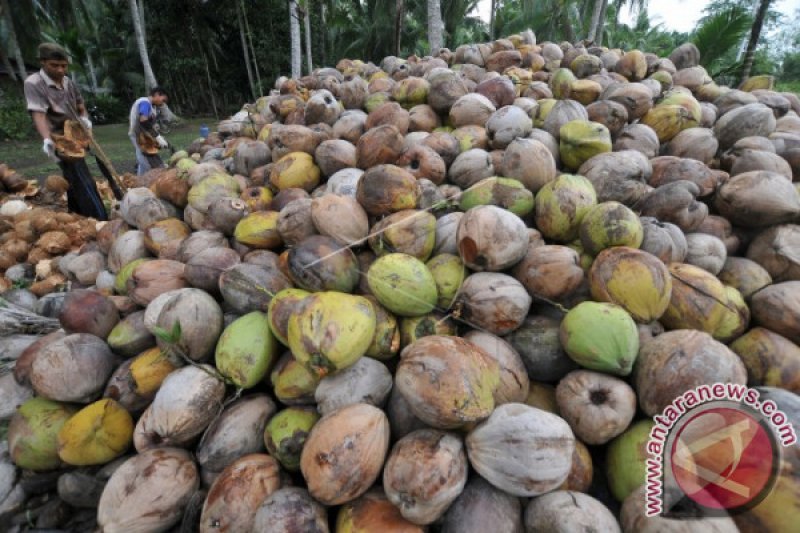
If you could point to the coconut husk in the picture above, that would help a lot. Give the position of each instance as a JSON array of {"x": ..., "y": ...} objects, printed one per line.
[
  {"x": 54, "y": 242},
  {"x": 37, "y": 254},
  {"x": 48, "y": 285},
  {"x": 72, "y": 145},
  {"x": 147, "y": 144}
]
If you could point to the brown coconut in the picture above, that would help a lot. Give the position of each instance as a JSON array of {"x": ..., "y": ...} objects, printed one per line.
[
  {"x": 551, "y": 272},
  {"x": 758, "y": 199},
  {"x": 128, "y": 247},
  {"x": 663, "y": 240},
  {"x": 675, "y": 203},
  {"x": 340, "y": 217},
  {"x": 200, "y": 323},
  {"x": 777, "y": 307},
  {"x": 379, "y": 146},
  {"x": 668, "y": 169},
  {"x": 86, "y": 311},
  {"x": 204, "y": 269},
  {"x": 692, "y": 358},
  {"x": 344, "y": 453},
  {"x": 165, "y": 235},
  {"x": 777, "y": 249},
  {"x": 618, "y": 176},
  {"x": 295, "y": 222},
  {"x": 491, "y": 238},
  {"x": 705, "y": 251},
  {"x": 514, "y": 382},
  {"x": 384, "y": 189},
  {"x": 423, "y": 162},
  {"x": 494, "y": 302},
  {"x": 151, "y": 278},
  {"x": 613, "y": 115}
]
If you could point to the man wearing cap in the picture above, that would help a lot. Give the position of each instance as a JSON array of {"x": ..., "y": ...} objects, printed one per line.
[{"x": 52, "y": 99}]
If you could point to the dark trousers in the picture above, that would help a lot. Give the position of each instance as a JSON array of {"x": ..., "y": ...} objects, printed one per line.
[{"x": 82, "y": 196}]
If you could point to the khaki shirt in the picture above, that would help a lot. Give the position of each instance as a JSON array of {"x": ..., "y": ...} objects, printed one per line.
[{"x": 57, "y": 103}]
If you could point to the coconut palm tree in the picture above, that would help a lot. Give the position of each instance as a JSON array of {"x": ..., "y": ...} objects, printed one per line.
[
  {"x": 245, "y": 48},
  {"x": 597, "y": 17},
  {"x": 294, "y": 26},
  {"x": 13, "y": 44},
  {"x": 149, "y": 77},
  {"x": 755, "y": 33},
  {"x": 435, "y": 25}
]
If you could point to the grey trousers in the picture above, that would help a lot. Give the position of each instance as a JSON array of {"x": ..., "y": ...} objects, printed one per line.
[{"x": 142, "y": 165}]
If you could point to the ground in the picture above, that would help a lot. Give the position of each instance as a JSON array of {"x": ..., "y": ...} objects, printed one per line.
[{"x": 26, "y": 157}]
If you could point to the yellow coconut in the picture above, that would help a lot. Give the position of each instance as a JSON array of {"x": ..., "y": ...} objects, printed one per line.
[
  {"x": 96, "y": 434},
  {"x": 259, "y": 230},
  {"x": 295, "y": 170}
]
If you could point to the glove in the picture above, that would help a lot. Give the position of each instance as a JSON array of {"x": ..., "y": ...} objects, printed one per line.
[
  {"x": 86, "y": 122},
  {"x": 49, "y": 149},
  {"x": 162, "y": 142}
]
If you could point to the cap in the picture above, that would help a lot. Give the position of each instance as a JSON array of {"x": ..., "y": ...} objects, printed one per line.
[{"x": 52, "y": 51}]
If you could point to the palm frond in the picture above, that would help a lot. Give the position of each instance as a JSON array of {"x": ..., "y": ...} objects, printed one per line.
[{"x": 721, "y": 33}]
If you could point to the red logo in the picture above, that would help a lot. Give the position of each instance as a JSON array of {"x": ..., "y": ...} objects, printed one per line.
[{"x": 724, "y": 458}]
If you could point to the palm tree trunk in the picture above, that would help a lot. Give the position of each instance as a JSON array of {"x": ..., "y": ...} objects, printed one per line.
[
  {"x": 7, "y": 65},
  {"x": 435, "y": 26},
  {"x": 92, "y": 73},
  {"x": 210, "y": 85},
  {"x": 149, "y": 77},
  {"x": 492, "y": 9},
  {"x": 323, "y": 34},
  {"x": 13, "y": 44},
  {"x": 601, "y": 25},
  {"x": 307, "y": 30},
  {"x": 252, "y": 50},
  {"x": 566, "y": 22},
  {"x": 142, "y": 20},
  {"x": 755, "y": 33},
  {"x": 294, "y": 25},
  {"x": 245, "y": 49},
  {"x": 599, "y": 5},
  {"x": 398, "y": 24}
]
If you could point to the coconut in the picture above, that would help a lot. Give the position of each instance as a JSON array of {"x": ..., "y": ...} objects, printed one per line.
[
  {"x": 237, "y": 493},
  {"x": 204, "y": 269},
  {"x": 612, "y": 115},
  {"x": 706, "y": 252},
  {"x": 96, "y": 434},
  {"x": 536, "y": 340},
  {"x": 249, "y": 287},
  {"x": 259, "y": 230},
  {"x": 668, "y": 169},
  {"x": 692, "y": 358},
  {"x": 580, "y": 140},
  {"x": 183, "y": 407},
  {"x": 597, "y": 407},
  {"x": 600, "y": 336},
  {"x": 562, "y": 111},
  {"x": 199, "y": 241},
  {"x": 295, "y": 169},
  {"x": 148, "y": 491},
  {"x": 776, "y": 307},
  {"x": 471, "y": 109},
  {"x": 618, "y": 176},
  {"x": 748, "y": 120},
  {"x": 345, "y": 182},
  {"x": 437, "y": 363},
  {"x": 699, "y": 301},
  {"x": 565, "y": 510},
  {"x": 335, "y": 473},
  {"x": 72, "y": 369},
  {"x": 286, "y": 433},
  {"x": 482, "y": 507},
  {"x": 152, "y": 278},
  {"x": 470, "y": 167},
  {"x": 745, "y": 275},
  {"x": 626, "y": 458},
  {"x": 85, "y": 268},
  {"x": 321, "y": 263},
  {"x": 635, "y": 280},
  {"x": 610, "y": 224},
  {"x": 374, "y": 512},
  {"x": 446, "y": 87},
  {"x": 423, "y": 162},
  {"x": 238, "y": 431},
  {"x": 776, "y": 249},
  {"x": 129, "y": 337},
  {"x": 293, "y": 383},
  {"x": 638, "y": 137},
  {"x": 506, "y": 124},
  {"x": 384, "y": 189},
  {"x": 561, "y": 205},
  {"x": 515, "y": 465},
  {"x": 425, "y": 472},
  {"x": 720, "y": 228},
  {"x": 514, "y": 381},
  {"x": 402, "y": 284},
  {"x": 366, "y": 381},
  {"x": 582, "y": 471},
  {"x": 140, "y": 208},
  {"x": 478, "y": 242},
  {"x": 246, "y": 350},
  {"x": 128, "y": 247},
  {"x": 292, "y": 510},
  {"x": 507, "y": 193},
  {"x": 550, "y": 272},
  {"x": 408, "y": 232},
  {"x": 225, "y": 213},
  {"x": 633, "y": 518},
  {"x": 675, "y": 203},
  {"x": 135, "y": 382},
  {"x": 87, "y": 311},
  {"x": 380, "y": 145},
  {"x": 33, "y": 433},
  {"x": 422, "y": 118},
  {"x": 295, "y": 222},
  {"x": 495, "y": 302},
  {"x": 770, "y": 359},
  {"x": 191, "y": 323}
]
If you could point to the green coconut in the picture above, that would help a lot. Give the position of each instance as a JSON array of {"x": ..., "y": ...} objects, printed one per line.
[
  {"x": 246, "y": 349},
  {"x": 295, "y": 170},
  {"x": 33, "y": 433},
  {"x": 637, "y": 281},
  {"x": 507, "y": 193},
  {"x": 286, "y": 434},
  {"x": 610, "y": 224},
  {"x": 600, "y": 336},
  {"x": 293, "y": 383},
  {"x": 283, "y": 305},
  {"x": 386, "y": 342},
  {"x": 626, "y": 458},
  {"x": 448, "y": 272},
  {"x": 561, "y": 205},
  {"x": 403, "y": 284},
  {"x": 124, "y": 274},
  {"x": 580, "y": 140},
  {"x": 332, "y": 331},
  {"x": 561, "y": 83}
]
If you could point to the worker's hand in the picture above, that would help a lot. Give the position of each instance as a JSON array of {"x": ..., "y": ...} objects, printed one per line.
[
  {"x": 49, "y": 149},
  {"x": 86, "y": 122},
  {"x": 162, "y": 142}
]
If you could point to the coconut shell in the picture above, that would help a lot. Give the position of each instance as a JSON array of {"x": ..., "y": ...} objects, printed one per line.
[
  {"x": 340, "y": 217},
  {"x": 693, "y": 358},
  {"x": 148, "y": 492},
  {"x": 189, "y": 398},
  {"x": 366, "y": 381},
  {"x": 151, "y": 278},
  {"x": 379, "y": 146},
  {"x": 551, "y": 272},
  {"x": 482, "y": 507},
  {"x": 128, "y": 247},
  {"x": 758, "y": 199},
  {"x": 745, "y": 275},
  {"x": 204, "y": 269},
  {"x": 514, "y": 382},
  {"x": 571, "y": 510},
  {"x": 384, "y": 189},
  {"x": 200, "y": 324},
  {"x": 748, "y": 120},
  {"x": 237, "y": 493},
  {"x": 776, "y": 249},
  {"x": 86, "y": 311},
  {"x": 238, "y": 431},
  {"x": 776, "y": 307},
  {"x": 72, "y": 369},
  {"x": 618, "y": 176},
  {"x": 336, "y": 473},
  {"x": 675, "y": 203},
  {"x": 291, "y": 510},
  {"x": 425, "y": 472},
  {"x": 242, "y": 286},
  {"x": 22, "y": 367}
]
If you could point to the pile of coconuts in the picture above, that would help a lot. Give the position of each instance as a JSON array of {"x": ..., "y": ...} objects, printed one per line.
[{"x": 436, "y": 294}]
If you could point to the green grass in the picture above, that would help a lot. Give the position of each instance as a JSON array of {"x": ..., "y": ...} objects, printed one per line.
[
  {"x": 788, "y": 86},
  {"x": 26, "y": 157}
]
